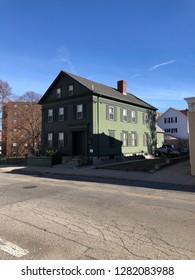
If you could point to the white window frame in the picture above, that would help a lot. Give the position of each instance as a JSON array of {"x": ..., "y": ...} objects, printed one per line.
[
  {"x": 133, "y": 139},
  {"x": 50, "y": 139},
  {"x": 111, "y": 113},
  {"x": 146, "y": 139},
  {"x": 124, "y": 115},
  {"x": 70, "y": 89},
  {"x": 146, "y": 118},
  {"x": 79, "y": 111},
  {"x": 60, "y": 139},
  {"x": 125, "y": 138},
  {"x": 61, "y": 114},
  {"x": 133, "y": 116},
  {"x": 58, "y": 93},
  {"x": 50, "y": 115}
]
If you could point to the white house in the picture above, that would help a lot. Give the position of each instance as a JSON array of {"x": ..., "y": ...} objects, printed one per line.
[{"x": 175, "y": 123}]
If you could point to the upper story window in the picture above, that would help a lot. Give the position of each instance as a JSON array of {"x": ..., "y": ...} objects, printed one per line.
[
  {"x": 133, "y": 116},
  {"x": 50, "y": 115},
  {"x": 70, "y": 90},
  {"x": 166, "y": 120},
  {"x": 58, "y": 93},
  {"x": 111, "y": 113},
  {"x": 61, "y": 114},
  {"x": 145, "y": 118},
  {"x": 79, "y": 112},
  {"x": 174, "y": 120},
  {"x": 124, "y": 115},
  {"x": 174, "y": 130}
]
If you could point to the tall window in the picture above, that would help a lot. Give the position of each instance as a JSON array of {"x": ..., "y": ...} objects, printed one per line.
[
  {"x": 146, "y": 139},
  {"x": 61, "y": 139},
  {"x": 125, "y": 138},
  {"x": 133, "y": 139},
  {"x": 50, "y": 140},
  {"x": 70, "y": 90},
  {"x": 166, "y": 120},
  {"x": 145, "y": 118},
  {"x": 133, "y": 117},
  {"x": 111, "y": 113},
  {"x": 79, "y": 112},
  {"x": 173, "y": 119},
  {"x": 124, "y": 115},
  {"x": 58, "y": 93},
  {"x": 50, "y": 115},
  {"x": 61, "y": 114}
]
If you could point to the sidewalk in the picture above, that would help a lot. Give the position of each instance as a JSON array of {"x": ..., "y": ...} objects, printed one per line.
[{"x": 175, "y": 174}]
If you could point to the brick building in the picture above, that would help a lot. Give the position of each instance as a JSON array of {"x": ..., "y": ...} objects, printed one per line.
[{"x": 21, "y": 128}]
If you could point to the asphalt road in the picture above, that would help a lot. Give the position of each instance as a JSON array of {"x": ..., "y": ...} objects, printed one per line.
[{"x": 69, "y": 218}]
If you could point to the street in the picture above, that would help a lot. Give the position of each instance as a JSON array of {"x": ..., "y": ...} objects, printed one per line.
[{"x": 79, "y": 218}]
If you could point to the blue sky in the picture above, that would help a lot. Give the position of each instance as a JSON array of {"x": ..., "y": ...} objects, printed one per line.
[{"x": 148, "y": 43}]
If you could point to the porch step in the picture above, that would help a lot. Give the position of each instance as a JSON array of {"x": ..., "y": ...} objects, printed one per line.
[{"x": 70, "y": 162}]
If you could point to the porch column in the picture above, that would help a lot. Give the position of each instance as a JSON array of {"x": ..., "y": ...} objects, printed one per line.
[{"x": 191, "y": 119}]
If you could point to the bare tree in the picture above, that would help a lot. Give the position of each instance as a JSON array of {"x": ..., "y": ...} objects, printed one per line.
[
  {"x": 5, "y": 95},
  {"x": 30, "y": 121}
]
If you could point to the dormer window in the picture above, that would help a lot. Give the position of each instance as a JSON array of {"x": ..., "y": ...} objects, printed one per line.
[
  {"x": 70, "y": 90},
  {"x": 58, "y": 93}
]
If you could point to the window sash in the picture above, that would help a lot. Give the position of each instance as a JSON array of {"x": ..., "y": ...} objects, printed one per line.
[
  {"x": 111, "y": 113},
  {"x": 79, "y": 112},
  {"x": 50, "y": 115},
  {"x": 61, "y": 114},
  {"x": 50, "y": 140},
  {"x": 61, "y": 139},
  {"x": 124, "y": 115}
]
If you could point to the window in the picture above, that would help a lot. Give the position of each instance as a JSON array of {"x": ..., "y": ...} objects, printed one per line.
[
  {"x": 111, "y": 138},
  {"x": 15, "y": 106},
  {"x": 174, "y": 130},
  {"x": 174, "y": 120},
  {"x": 125, "y": 138},
  {"x": 61, "y": 114},
  {"x": 14, "y": 144},
  {"x": 166, "y": 120},
  {"x": 50, "y": 115},
  {"x": 70, "y": 90},
  {"x": 133, "y": 139},
  {"x": 146, "y": 139},
  {"x": 79, "y": 112},
  {"x": 111, "y": 113},
  {"x": 167, "y": 130},
  {"x": 58, "y": 93},
  {"x": 124, "y": 115},
  {"x": 133, "y": 117},
  {"x": 50, "y": 140},
  {"x": 61, "y": 139},
  {"x": 146, "y": 119}
]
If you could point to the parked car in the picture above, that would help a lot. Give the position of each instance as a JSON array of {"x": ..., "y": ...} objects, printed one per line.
[{"x": 167, "y": 150}]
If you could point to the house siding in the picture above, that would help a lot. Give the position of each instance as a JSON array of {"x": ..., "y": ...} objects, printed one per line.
[{"x": 94, "y": 135}]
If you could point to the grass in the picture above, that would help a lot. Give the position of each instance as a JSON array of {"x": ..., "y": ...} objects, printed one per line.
[{"x": 139, "y": 165}]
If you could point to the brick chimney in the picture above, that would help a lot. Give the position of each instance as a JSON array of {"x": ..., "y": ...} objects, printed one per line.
[{"x": 122, "y": 87}]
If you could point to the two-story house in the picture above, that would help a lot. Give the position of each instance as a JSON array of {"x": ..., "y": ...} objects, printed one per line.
[
  {"x": 82, "y": 117},
  {"x": 175, "y": 123}
]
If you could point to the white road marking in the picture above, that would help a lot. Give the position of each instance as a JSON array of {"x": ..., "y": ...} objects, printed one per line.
[{"x": 12, "y": 249}]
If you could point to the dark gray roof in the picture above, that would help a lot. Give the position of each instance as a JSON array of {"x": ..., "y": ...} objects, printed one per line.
[
  {"x": 100, "y": 89},
  {"x": 110, "y": 92}
]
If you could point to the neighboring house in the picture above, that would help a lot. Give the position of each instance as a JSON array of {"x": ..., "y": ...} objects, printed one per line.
[
  {"x": 82, "y": 117},
  {"x": 21, "y": 128},
  {"x": 160, "y": 137},
  {"x": 191, "y": 117},
  {"x": 174, "y": 123}
]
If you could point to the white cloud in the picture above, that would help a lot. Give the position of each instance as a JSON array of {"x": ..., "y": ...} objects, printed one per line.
[
  {"x": 63, "y": 57},
  {"x": 135, "y": 75},
  {"x": 161, "y": 64}
]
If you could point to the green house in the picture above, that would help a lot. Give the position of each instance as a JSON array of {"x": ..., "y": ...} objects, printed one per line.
[{"x": 82, "y": 117}]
